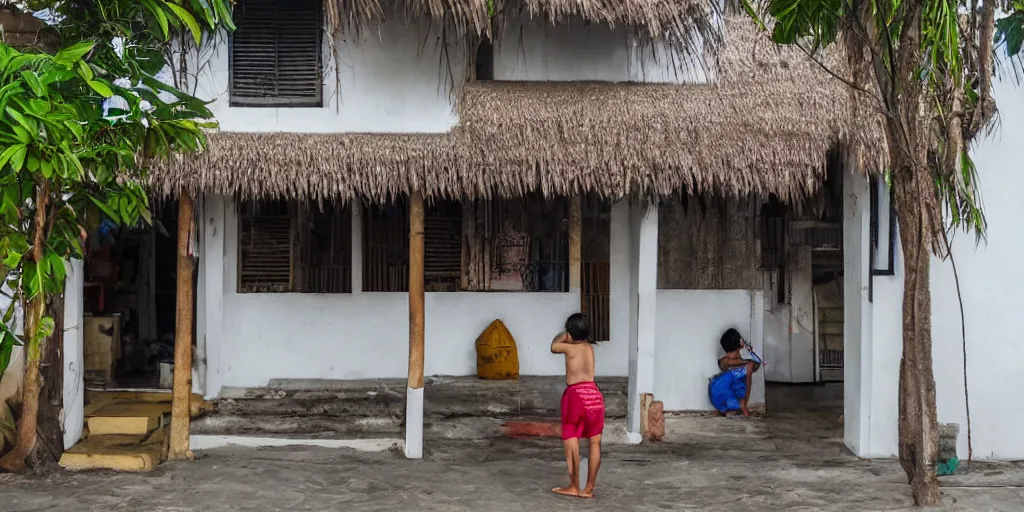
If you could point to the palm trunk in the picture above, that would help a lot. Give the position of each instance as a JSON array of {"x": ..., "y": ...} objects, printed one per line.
[
  {"x": 15, "y": 460},
  {"x": 918, "y": 422}
]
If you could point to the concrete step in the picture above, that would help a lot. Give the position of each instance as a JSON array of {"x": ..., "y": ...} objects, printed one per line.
[
  {"x": 131, "y": 453},
  {"x": 132, "y": 413},
  {"x": 444, "y": 398},
  {"x": 127, "y": 418}
]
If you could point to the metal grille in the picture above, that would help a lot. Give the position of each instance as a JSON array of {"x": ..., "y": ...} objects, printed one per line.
[
  {"x": 596, "y": 272},
  {"x": 831, "y": 359},
  {"x": 275, "y": 54},
  {"x": 324, "y": 249}
]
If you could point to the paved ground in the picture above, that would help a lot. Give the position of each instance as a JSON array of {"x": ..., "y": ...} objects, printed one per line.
[{"x": 793, "y": 460}]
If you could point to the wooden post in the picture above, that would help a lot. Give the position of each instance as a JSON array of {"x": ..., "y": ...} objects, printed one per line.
[
  {"x": 414, "y": 395},
  {"x": 182, "y": 391},
  {"x": 575, "y": 244}
]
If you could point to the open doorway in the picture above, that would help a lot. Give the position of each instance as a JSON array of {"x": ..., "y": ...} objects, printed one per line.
[
  {"x": 802, "y": 253},
  {"x": 129, "y": 302}
]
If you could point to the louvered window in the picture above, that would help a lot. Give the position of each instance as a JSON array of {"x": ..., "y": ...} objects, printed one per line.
[
  {"x": 287, "y": 246},
  {"x": 276, "y": 54}
]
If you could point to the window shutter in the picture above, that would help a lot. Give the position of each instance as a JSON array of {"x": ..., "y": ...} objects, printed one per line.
[
  {"x": 265, "y": 249},
  {"x": 275, "y": 54}
]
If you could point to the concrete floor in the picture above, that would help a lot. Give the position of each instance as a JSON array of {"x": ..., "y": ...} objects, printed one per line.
[{"x": 792, "y": 460}]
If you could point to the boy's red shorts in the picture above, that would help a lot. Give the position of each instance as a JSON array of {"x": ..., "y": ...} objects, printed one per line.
[{"x": 582, "y": 411}]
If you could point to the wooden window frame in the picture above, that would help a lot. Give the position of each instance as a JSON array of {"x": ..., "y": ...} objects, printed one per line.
[{"x": 275, "y": 100}]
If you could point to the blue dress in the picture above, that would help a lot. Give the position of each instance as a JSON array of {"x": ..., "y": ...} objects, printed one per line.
[{"x": 727, "y": 389}]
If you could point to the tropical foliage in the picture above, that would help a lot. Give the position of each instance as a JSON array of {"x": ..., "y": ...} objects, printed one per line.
[{"x": 70, "y": 161}]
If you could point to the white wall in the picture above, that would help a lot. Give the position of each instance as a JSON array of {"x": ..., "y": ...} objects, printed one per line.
[
  {"x": 991, "y": 277},
  {"x": 365, "y": 335},
  {"x": 689, "y": 327},
  {"x": 589, "y": 52},
  {"x": 390, "y": 81}
]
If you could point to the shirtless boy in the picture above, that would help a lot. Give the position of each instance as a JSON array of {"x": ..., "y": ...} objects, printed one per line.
[{"x": 582, "y": 404}]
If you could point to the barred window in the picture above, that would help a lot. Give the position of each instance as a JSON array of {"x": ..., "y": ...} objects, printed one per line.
[
  {"x": 386, "y": 247},
  {"x": 287, "y": 246}
]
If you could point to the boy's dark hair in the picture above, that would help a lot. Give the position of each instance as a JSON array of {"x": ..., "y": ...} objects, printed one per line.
[
  {"x": 578, "y": 327},
  {"x": 731, "y": 340}
]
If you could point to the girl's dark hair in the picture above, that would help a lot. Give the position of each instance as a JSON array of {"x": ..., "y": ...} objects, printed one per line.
[
  {"x": 578, "y": 327},
  {"x": 731, "y": 340}
]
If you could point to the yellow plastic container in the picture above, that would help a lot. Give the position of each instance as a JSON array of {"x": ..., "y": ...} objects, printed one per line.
[{"x": 496, "y": 354}]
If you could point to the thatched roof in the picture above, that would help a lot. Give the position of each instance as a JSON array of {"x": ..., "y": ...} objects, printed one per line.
[
  {"x": 672, "y": 20},
  {"x": 765, "y": 127}
]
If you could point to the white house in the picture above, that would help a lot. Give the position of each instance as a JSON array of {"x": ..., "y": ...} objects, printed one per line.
[{"x": 571, "y": 164}]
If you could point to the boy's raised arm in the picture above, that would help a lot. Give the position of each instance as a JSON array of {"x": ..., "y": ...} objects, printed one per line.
[{"x": 558, "y": 345}]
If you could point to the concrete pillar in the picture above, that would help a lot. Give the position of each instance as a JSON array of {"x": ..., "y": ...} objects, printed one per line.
[
  {"x": 211, "y": 310},
  {"x": 74, "y": 353},
  {"x": 643, "y": 306},
  {"x": 857, "y": 330}
]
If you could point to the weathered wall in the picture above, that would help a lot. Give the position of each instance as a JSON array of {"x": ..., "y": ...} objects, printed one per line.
[
  {"x": 990, "y": 278},
  {"x": 708, "y": 246}
]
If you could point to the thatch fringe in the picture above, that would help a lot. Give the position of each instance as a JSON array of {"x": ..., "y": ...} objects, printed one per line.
[
  {"x": 676, "y": 21},
  {"x": 766, "y": 127}
]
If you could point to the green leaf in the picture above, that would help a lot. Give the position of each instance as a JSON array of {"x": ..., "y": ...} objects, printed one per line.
[
  {"x": 74, "y": 53},
  {"x": 18, "y": 158},
  {"x": 224, "y": 13},
  {"x": 101, "y": 88},
  {"x": 32, "y": 279},
  {"x": 84, "y": 70},
  {"x": 7, "y": 343},
  {"x": 160, "y": 15},
  {"x": 23, "y": 135},
  {"x": 197, "y": 33},
  {"x": 57, "y": 266},
  {"x": 44, "y": 329},
  {"x": 12, "y": 259},
  {"x": 25, "y": 123},
  {"x": 8, "y": 153},
  {"x": 105, "y": 209},
  {"x": 33, "y": 81}
]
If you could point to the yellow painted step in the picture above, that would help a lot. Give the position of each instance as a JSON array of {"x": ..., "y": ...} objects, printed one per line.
[
  {"x": 126, "y": 418},
  {"x": 97, "y": 399},
  {"x": 134, "y": 453}
]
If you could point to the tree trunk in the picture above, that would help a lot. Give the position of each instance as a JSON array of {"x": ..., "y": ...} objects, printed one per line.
[
  {"x": 49, "y": 430},
  {"x": 15, "y": 460},
  {"x": 918, "y": 422}
]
